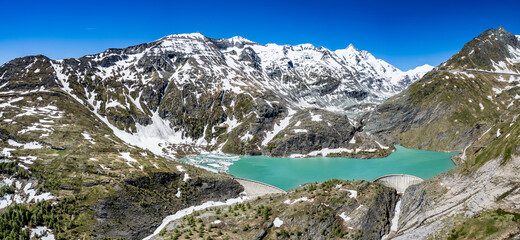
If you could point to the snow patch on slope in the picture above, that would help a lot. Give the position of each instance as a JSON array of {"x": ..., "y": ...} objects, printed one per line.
[
  {"x": 184, "y": 212},
  {"x": 278, "y": 127}
]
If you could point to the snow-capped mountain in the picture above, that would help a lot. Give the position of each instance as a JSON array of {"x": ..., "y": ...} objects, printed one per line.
[
  {"x": 369, "y": 67},
  {"x": 323, "y": 78},
  {"x": 189, "y": 91},
  {"x": 304, "y": 75}
]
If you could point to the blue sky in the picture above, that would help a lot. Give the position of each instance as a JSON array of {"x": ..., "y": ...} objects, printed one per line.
[{"x": 403, "y": 33}]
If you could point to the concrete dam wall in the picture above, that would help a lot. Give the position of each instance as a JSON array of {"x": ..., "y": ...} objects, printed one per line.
[
  {"x": 255, "y": 189},
  {"x": 398, "y": 181}
]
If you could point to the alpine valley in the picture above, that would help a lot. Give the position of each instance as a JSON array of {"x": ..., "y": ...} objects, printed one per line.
[{"x": 89, "y": 144}]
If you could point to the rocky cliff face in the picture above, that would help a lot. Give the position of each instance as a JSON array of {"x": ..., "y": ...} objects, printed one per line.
[{"x": 446, "y": 203}]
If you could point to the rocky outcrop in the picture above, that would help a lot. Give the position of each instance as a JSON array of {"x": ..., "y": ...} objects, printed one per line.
[
  {"x": 141, "y": 204},
  {"x": 315, "y": 132},
  {"x": 28, "y": 73},
  {"x": 312, "y": 131},
  {"x": 330, "y": 210},
  {"x": 449, "y": 199}
]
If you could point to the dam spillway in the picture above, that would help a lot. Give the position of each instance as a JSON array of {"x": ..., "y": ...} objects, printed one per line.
[{"x": 398, "y": 181}]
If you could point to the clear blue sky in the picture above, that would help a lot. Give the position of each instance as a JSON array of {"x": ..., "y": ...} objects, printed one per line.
[{"x": 404, "y": 33}]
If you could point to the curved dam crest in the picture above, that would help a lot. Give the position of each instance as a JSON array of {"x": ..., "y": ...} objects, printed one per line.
[
  {"x": 398, "y": 181},
  {"x": 290, "y": 173}
]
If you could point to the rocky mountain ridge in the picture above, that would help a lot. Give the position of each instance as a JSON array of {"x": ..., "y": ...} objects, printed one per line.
[
  {"x": 458, "y": 101},
  {"x": 187, "y": 93},
  {"x": 467, "y": 104}
]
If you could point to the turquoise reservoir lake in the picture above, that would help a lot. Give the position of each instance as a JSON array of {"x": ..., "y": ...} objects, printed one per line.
[{"x": 290, "y": 173}]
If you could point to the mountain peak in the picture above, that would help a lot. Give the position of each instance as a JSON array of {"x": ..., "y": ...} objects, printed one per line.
[
  {"x": 239, "y": 39},
  {"x": 196, "y": 35},
  {"x": 420, "y": 69},
  {"x": 348, "y": 51},
  {"x": 306, "y": 46},
  {"x": 493, "y": 50},
  {"x": 492, "y": 33}
]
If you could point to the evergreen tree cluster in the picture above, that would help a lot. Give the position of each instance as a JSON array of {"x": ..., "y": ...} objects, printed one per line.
[{"x": 17, "y": 220}]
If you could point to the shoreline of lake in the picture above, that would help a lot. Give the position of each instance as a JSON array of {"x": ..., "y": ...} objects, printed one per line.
[{"x": 290, "y": 173}]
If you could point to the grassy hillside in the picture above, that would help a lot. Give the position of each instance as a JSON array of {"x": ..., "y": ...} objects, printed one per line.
[
  {"x": 458, "y": 106},
  {"x": 62, "y": 168}
]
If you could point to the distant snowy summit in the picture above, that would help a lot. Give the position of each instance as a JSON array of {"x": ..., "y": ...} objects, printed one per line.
[{"x": 310, "y": 76}]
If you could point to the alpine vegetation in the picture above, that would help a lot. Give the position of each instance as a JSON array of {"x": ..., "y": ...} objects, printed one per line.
[{"x": 89, "y": 146}]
